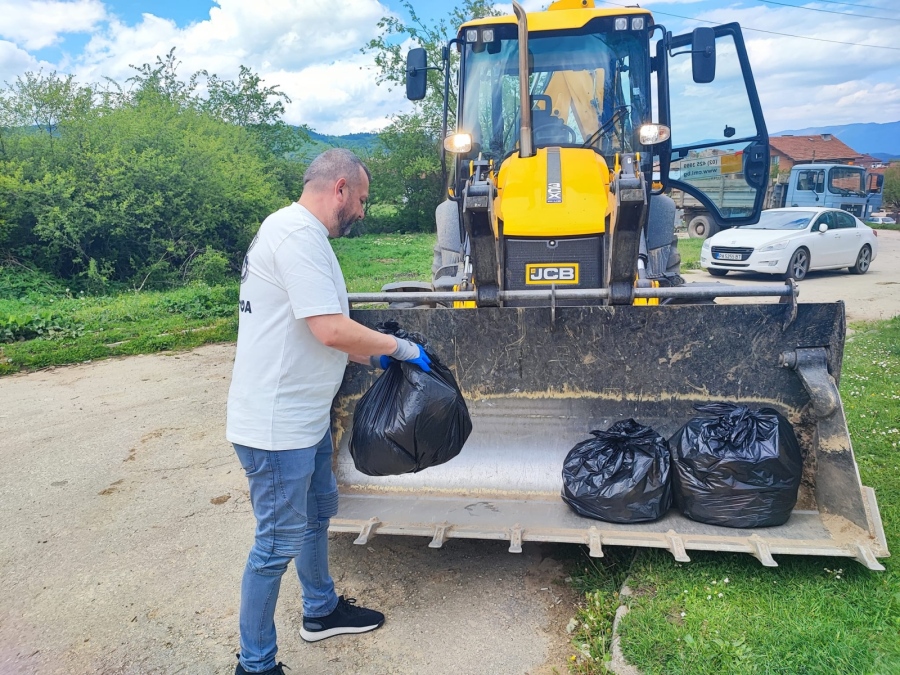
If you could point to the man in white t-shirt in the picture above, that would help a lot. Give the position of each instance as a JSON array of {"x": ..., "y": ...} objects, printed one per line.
[{"x": 294, "y": 339}]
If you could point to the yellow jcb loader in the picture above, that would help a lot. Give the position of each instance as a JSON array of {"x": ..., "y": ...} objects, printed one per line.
[{"x": 557, "y": 302}]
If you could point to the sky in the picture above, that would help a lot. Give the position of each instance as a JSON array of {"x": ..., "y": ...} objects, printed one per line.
[{"x": 816, "y": 63}]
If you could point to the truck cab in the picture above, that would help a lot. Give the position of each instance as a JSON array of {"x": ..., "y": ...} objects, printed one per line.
[{"x": 839, "y": 186}]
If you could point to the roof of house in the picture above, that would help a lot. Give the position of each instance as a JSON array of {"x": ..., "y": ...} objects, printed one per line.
[{"x": 819, "y": 148}]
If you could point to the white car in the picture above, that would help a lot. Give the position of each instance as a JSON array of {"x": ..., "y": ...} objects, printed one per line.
[
  {"x": 790, "y": 242},
  {"x": 882, "y": 220}
]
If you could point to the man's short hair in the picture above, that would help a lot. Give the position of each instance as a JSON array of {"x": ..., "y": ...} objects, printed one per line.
[{"x": 332, "y": 165}]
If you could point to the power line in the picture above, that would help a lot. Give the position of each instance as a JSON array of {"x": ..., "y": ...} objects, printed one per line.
[
  {"x": 760, "y": 30},
  {"x": 828, "y": 11},
  {"x": 849, "y": 4}
]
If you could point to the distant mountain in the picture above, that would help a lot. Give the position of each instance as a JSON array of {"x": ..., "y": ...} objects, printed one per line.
[
  {"x": 878, "y": 140},
  {"x": 366, "y": 141},
  {"x": 319, "y": 143}
]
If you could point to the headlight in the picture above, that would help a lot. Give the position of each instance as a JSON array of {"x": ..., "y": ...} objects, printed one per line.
[
  {"x": 458, "y": 143},
  {"x": 651, "y": 134},
  {"x": 706, "y": 244},
  {"x": 777, "y": 246}
]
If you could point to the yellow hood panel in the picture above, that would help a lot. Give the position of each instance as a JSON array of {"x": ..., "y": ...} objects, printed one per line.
[{"x": 559, "y": 192}]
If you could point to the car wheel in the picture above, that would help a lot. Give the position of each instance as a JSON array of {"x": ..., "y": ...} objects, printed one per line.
[
  {"x": 716, "y": 273},
  {"x": 798, "y": 266},
  {"x": 863, "y": 260}
]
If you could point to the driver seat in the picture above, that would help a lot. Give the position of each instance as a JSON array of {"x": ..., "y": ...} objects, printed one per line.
[{"x": 547, "y": 128}]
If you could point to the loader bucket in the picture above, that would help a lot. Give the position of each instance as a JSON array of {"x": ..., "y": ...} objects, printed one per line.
[{"x": 537, "y": 381}]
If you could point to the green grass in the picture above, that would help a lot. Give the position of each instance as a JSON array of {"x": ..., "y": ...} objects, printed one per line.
[
  {"x": 725, "y": 614},
  {"x": 371, "y": 261},
  {"x": 43, "y": 324},
  {"x": 690, "y": 253},
  {"x": 884, "y": 226}
]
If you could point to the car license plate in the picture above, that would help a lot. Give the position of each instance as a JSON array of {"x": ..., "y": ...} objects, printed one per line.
[{"x": 729, "y": 256}]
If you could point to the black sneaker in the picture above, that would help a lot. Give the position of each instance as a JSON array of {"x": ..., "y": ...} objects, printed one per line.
[
  {"x": 346, "y": 618},
  {"x": 277, "y": 670}
]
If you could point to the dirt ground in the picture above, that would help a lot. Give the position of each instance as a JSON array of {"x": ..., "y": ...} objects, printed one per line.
[{"x": 125, "y": 524}]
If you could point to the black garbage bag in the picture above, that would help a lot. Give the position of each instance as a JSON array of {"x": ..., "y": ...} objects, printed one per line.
[
  {"x": 736, "y": 467},
  {"x": 620, "y": 476},
  {"x": 409, "y": 420}
]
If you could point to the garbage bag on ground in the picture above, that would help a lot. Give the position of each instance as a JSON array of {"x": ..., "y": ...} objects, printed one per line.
[
  {"x": 409, "y": 420},
  {"x": 736, "y": 467},
  {"x": 620, "y": 476}
]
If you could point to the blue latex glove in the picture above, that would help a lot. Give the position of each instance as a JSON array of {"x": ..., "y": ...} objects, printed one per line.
[{"x": 421, "y": 360}]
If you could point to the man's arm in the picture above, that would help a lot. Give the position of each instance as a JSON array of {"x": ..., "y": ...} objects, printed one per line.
[
  {"x": 342, "y": 333},
  {"x": 346, "y": 335}
]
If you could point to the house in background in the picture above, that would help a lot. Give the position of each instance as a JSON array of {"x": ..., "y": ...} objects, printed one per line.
[{"x": 789, "y": 150}]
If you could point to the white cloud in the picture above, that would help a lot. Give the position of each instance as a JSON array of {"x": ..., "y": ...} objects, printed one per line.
[
  {"x": 310, "y": 49},
  {"x": 817, "y": 82},
  {"x": 15, "y": 61},
  {"x": 36, "y": 24}
]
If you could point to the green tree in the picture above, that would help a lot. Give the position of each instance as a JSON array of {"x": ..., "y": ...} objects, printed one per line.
[
  {"x": 247, "y": 103},
  {"x": 146, "y": 186},
  {"x": 408, "y": 183},
  {"x": 892, "y": 187},
  {"x": 390, "y": 57}
]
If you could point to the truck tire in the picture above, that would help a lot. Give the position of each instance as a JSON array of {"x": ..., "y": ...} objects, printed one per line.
[{"x": 702, "y": 227}]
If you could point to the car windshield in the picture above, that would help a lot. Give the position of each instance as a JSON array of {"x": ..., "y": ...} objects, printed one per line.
[
  {"x": 588, "y": 87},
  {"x": 782, "y": 220}
]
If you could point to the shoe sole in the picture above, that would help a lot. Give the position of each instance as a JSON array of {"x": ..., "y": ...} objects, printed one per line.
[{"x": 315, "y": 636}]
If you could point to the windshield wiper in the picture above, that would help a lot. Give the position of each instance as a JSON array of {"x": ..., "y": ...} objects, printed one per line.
[{"x": 606, "y": 127}]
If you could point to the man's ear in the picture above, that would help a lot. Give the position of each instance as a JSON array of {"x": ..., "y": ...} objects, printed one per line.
[{"x": 340, "y": 186}]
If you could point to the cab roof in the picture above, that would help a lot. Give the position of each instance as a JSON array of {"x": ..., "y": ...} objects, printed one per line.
[{"x": 561, "y": 15}]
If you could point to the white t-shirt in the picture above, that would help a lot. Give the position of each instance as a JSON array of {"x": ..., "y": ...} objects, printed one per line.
[{"x": 284, "y": 379}]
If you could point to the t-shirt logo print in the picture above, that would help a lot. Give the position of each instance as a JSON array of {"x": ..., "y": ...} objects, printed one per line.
[{"x": 245, "y": 268}]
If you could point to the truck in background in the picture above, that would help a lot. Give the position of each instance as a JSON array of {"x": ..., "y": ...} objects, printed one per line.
[{"x": 842, "y": 186}]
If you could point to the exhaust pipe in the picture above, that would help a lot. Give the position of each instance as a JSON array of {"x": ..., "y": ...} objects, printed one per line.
[{"x": 525, "y": 145}]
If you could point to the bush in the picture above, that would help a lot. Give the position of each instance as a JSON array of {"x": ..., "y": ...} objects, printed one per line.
[{"x": 211, "y": 267}]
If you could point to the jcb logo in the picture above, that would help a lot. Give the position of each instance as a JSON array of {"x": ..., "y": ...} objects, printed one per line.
[
  {"x": 554, "y": 193},
  {"x": 555, "y": 273}
]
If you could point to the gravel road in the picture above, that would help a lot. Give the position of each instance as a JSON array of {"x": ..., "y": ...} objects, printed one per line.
[{"x": 125, "y": 524}]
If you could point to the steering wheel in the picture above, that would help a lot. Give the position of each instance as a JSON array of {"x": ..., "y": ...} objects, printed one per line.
[{"x": 551, "y": 132}]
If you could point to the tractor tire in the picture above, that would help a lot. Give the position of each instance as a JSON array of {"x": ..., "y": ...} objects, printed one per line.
[
  {"x": 673, "y": 267},
  {"x": 863, "y": 260},
  {"x": 448, "y": 251},
  {"x": 702, "y": 227}
]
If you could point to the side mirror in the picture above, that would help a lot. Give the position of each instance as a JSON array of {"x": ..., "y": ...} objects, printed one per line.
[
  {"x": 823, "y": 227},
  {"x": 703, "y": 55},
  {"x": 416, "y": 72}
]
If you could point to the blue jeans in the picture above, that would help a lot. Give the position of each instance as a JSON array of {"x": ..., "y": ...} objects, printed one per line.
[{"x": 294, "y": 494}]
